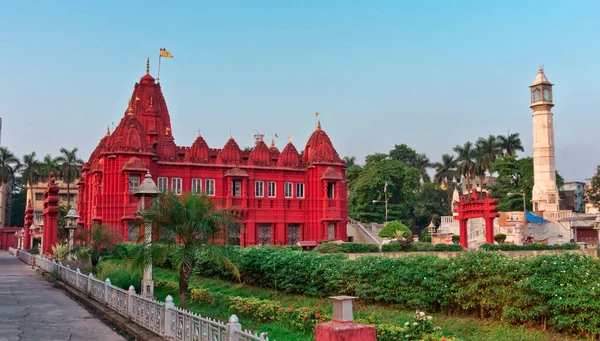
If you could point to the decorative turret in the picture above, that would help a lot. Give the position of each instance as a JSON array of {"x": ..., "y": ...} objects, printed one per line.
[
  {"x": 289, "y": 156},
  {"x": 198, "y": 151},
  {"x": 320, "y": 149},
  {"x": 260, "y": 155},
  {"x": 128, "y": 136},
  {"x": 230, "y": 153},
  {"x": 135, "y": 165},
  {"x": 274, "y": 151}
]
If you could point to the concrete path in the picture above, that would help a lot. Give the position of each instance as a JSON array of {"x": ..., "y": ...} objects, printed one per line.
[{"x": 32, "y": 310}]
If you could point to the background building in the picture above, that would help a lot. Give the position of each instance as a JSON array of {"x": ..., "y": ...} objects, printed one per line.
[
  {"x": 282, "y": 197},
  {"x": 38, "y": 197},
  {"x": 572, "y": 197}
]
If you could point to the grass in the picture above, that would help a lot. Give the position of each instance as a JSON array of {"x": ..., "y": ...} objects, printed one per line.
[{"x": 461, "y": 327}]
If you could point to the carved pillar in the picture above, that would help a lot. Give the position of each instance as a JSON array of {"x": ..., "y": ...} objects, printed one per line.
[
  {"x": 50, "y": 215},
  {"x": 27, "y": 225},
  {"x": 463, "y": 233}
]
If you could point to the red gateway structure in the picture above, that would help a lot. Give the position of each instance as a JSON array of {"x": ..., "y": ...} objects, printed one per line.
[
  {"x": 473, "y": 207},
  {"x": 282, "y": 197}
]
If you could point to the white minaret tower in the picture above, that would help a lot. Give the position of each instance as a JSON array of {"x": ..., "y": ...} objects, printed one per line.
[{"x": 545, "y": 192}]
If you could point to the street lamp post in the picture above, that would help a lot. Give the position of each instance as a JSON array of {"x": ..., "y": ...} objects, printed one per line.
[
  {"x": 71, "y": 226},
  {"x": 522, "y": 193},
  {"x": 149, "y": 189},
  {"x": 384, "y": 201}
]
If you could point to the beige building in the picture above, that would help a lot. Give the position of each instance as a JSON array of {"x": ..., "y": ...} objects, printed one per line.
[
  {"x": 481, "y": 185},
  {"x": 5, "y": 194},
  {"x": 38, "y": 197}
]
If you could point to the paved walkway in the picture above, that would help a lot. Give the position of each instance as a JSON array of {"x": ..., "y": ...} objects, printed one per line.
[{"x": 32, "y": 310}]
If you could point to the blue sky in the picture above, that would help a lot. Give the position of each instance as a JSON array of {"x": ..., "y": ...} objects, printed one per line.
[{"x": 431, "y": 74}]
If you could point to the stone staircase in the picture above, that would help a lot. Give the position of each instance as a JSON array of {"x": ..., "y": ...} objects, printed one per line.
[{"x": 368, "y": 231}]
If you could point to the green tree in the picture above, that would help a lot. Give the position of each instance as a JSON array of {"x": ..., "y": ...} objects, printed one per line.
[
  {"x": 47, "y": 166},
  {"x": 466, "y": 161},
  {"x": 70, "y": 168},
  {"x": 445, "y": 173},
  {"x": 431, "y": 202},
  {"x": 488, "y": 151},
  {"x": 404, "y": 154},
  {"x": 9, "y": 164},
  {"x": 101, "y": 239},
  {"x": 509, "y": 145},
  {"x": 514, "y": 175},
  {"x": 30, "y": 173},
  {"x": 592, "y": 194},
  {"x": 422, "y": 163},
  {"x": 18, "y": 201},
  {"x": 390, "y": 229},
  {"x": 374, "y": 158},
  {"x": 187, "y": 226},
  {"x": 350, "y": 161},
  {"x": 403, "y": 184}
]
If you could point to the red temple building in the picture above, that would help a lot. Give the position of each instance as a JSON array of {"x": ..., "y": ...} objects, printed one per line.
[{"x": 282, "y": 197}]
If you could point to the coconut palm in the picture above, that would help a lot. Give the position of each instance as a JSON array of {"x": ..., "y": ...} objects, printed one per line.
[
  {"x": 350, "y": 161},
  {"x": 421, "y": 164},
  {"x": 69, "y": 168},
  {"x": 47, "y": 166},
  {"x": 187, "y": 227},
  {"x": 9, "y": 164},
  {"x": 466, "y": 161},
  {"x": 30, "y": 173},
  {"x": 488, "y": 151},
  {"x": 509, "y": 145},
  {"x": 445, "y": 173}
]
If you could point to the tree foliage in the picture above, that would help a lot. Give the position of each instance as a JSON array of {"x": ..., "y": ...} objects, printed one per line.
[
  {"x": 390, "y": 229},
  {"x": 592, "y": 194}
]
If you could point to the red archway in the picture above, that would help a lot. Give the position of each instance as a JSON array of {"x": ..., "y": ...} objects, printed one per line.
[{"x": 472, "y": 206}]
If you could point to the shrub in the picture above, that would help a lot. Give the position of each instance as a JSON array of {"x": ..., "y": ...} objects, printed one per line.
[
  {"x": 346, "y": 248},
  {"x": 455, "y": 239},
  {"x": 34, "y": 251},
  {"x": 126, "y": 250},
  {"x": 37, "y": 241},
  {"x": 389, "y": 230},
  {"x": 500, "y": 238},
  {"x": 170, "y": 287},
  {"x": 448, "y": 247},
  {"x": 426, "y": 239},
  {"x": 119, "y": 277},
  {"x": 202, "y": 296},
  {"x": 393, "y": 247},
  {"x": 420, "y": 246},
  {"x": 530, "y": 247},
  {"x": 328, "y": 248}
]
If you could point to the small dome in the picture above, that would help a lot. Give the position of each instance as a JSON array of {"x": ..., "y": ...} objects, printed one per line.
[
  {"x": 260, "y": 154},
  {"x": 198, "y": 150},
  {"x": 320, "y": 149},
  {"x": 540, "y": 78},
  {"x": 230, "y": 153},
  {"x": 273, "y": 150},
  {"x": 289, "y": 156},
  {"x": 134, "y": 164}
]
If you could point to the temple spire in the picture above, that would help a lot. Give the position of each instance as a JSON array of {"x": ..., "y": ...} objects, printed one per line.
[
  {"x": 129, "y": 109},
  {"x": 273, "y": 142},
  {"x": 107, "y": 130},
  {"x": 148, "y": 65},
  {"x": 319, "y": 125}
]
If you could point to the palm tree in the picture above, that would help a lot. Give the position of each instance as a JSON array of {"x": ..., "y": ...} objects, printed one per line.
[
  {"x": 69, "y": 168},
  {"x": 445, "y": 173},
  {"x": 30, "y": 173},
  {"x": 100, "y": 239},
  {"x": 421, "y": 164},
  {"x": 466, "y": 161},
  {"x": 350, "y": 161},
  {"x": 187, "y": 227},
  {"x": 489, "y": 150},
  {"x": 510, "y": 145},
  {"x": 47, "y": 166},
  {"x": 9, "y": 164}
]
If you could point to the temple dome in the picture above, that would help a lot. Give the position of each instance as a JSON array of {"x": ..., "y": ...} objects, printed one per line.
[
  {"x": 260, "y": 154},
  {"x": 289, "y": 156},
  {"x": 320, "y": 149},
  {"x": 230, "y": 153},
  {"x": 274, "y": 151},
  {"x": 198, "y": 151},
  {"x": 129, "y": 136},
  {"x": 134, "y": 164}
]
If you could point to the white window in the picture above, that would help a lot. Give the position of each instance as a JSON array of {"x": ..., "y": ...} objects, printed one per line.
[
  {"x": 300, "y": 190},
  {"x": 176, "y": 186},
  {"x": 271, "y": 189},
  {"x": 196, "y": 185},
  {"x": 287, "y": 190},
  {"x": 163, "y": 184},
  {"x": 259, "y": 189},
  {"x": 134, "y": 183},
  {"x": 209, "y": 187}
]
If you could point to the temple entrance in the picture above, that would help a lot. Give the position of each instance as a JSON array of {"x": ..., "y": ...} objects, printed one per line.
[
  {"x": 472, "y": 206},
  {"x": 330, "y": 231},
  {"x": 264, "y": 234},
  {"x": 234, "y": 235}
]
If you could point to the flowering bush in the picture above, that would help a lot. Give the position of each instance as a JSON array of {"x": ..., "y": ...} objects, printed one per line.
[
  {"x": 170, "y": 287},
  {"x": 201, "y": 296}
]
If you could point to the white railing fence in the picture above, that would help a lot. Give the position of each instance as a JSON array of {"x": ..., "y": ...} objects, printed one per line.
[
  {"x": 12, "y": 251},
  {"x": 162, "y": 318}
]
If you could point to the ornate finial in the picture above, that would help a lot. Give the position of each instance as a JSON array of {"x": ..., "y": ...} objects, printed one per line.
[
  {"x": 129, "y": 108},
  {"x": 290, "y": 139},
  {"x": 542, "y": 67},
  {"x": 198, "y": 132},
  {"x": 167, "y": 130},
  {"x": 148, "y": 65},
  {"x": 262, "y": 136},
  {"x": 273, "y": 142},
  {"x": 319, "y": 125},
  {"x": 107, "y": 131},
  {"x": 150, "y": 100},
  {"x": 230, "y": 134}
]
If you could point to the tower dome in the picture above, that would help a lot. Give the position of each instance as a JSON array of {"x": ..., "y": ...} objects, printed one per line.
[
  {"x": 289, "y": 156},
  {"x": 260, "y": 155},
  {"x": 320, "y": 149},
  {"x": 273, "y": 150},
  {"x": 198, "y": 150},
  {"x": 230, "y": 153}
]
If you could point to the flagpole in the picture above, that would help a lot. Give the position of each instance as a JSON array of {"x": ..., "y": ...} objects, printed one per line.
[{"x": 158, "y": 74}]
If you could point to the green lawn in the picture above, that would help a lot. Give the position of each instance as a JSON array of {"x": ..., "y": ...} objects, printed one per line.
[{"x": 464, "y": 328}]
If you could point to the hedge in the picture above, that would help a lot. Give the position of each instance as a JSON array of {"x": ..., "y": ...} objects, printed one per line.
[
  {"x": 419, "y": 246},
  {"x": 346, "y": 248},
  {"x": 513, "y": 247},
  {"x": 561, "y": 291}
]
